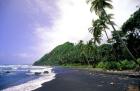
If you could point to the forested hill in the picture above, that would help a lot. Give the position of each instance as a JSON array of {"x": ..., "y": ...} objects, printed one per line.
[
  {"x": 69, "y": 53},
  {"x": 112, "y": 55},
  {"x": 57, "y": 55}
]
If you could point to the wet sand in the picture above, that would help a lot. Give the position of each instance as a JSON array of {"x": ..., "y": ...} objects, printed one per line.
[{"x": 81, "y": 80}]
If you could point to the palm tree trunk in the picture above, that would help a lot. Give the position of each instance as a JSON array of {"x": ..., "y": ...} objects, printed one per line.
[
  {"x": 87, "y": 61},
  {"x": 121, "y": 39},
  {"x": 111, "y": 45},
  {"x": 106, "y": 34},
  {"x": 96, "y": 54}
]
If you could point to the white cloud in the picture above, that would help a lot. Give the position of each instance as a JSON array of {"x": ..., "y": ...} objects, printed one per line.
[
  {"x": 123, "y": 10},
  {"x": 71, "y": 26},
  {"x": 73, "y": 22},
  {"x": 57, "y": 21}
]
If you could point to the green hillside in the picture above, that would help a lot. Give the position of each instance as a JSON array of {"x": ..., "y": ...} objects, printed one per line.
[{"x": 112, "y": 55}]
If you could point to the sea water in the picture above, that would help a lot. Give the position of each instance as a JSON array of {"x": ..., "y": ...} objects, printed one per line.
[{"x": 15, "y": 78}]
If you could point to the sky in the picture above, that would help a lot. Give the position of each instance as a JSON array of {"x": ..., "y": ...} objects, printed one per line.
[{"x": 31, "y": 28}]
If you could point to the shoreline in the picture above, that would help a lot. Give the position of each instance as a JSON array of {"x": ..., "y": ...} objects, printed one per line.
[
  {"x": 70, "y": 79},
  {"x": 129, "y": 73},
  {"x": 32, "y": 85}
]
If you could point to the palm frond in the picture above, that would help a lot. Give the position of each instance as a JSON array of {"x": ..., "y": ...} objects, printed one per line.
[
  {"x": 107, "y": 5},
  {"x": 99, "y": 5},
  {"x": 88, "y": 1},
  {"x": 110, "y": 16}
]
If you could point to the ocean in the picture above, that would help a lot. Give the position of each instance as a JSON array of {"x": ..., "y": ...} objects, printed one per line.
[{"x": 15, "y": 77}]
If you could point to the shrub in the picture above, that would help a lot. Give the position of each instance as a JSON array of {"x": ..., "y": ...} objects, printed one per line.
[
  {"x": 101, "y": 65},
  {"x": 138, "y": 60},
  {"x": 122, "y": 65},
  {"x": 107, "y": 65},
  {"x": 125, "y": 64}
]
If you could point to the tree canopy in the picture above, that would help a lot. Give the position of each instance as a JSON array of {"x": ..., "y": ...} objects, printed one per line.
[
  {"x": 131, "y": 29},
  {"x": 101, "y": 55}
]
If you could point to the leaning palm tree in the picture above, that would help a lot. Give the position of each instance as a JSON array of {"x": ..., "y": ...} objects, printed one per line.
[
  {"x": 98, "y": 26},
  {"x": 99, "y": 7},
  {"x": 96, "y": 31},
  {"x": 103, "y": 23}
]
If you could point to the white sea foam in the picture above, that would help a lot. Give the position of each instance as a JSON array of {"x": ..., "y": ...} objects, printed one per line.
[
  {"x": 4, "y": 68},
  {"x": 33, "y": 84}
]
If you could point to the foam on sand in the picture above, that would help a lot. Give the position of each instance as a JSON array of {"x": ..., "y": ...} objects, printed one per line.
[{"x": 33, "y": 84}]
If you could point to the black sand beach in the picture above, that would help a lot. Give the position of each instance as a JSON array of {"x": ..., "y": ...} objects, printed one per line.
[{"x": 80, "y": 80}]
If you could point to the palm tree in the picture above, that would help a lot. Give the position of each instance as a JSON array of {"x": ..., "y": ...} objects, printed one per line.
[
  {"x": 83, "y": 52},
  {"x": 101, "y": 25},
  {"x": 80, "y": 46},
  {"x": 96, "y": 31},
  {"x": 92, "y": 53},
  {"x": 99, "y": 7},
  {"x": 104, "y": 23}
]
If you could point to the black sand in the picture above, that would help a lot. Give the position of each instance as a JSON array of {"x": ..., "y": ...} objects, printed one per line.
[{"x": 79, "y": 80}]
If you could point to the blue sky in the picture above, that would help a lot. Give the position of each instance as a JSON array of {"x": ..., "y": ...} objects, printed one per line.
[
  {"x": 31, "y": 28},
  {"x": 18, "y": 20}
]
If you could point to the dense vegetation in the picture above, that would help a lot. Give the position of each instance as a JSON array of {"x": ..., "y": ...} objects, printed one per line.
[
  {"x": 122, "y": 51},
  {"x": 85, "y": 54}
]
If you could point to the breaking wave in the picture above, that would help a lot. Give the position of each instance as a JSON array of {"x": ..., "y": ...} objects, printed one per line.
[{"x": 33, "y": 84}]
